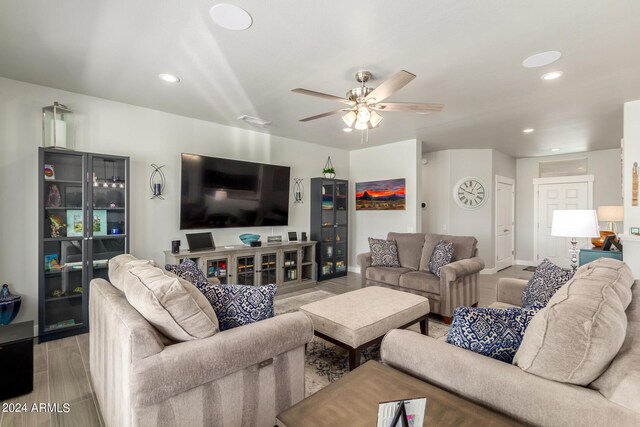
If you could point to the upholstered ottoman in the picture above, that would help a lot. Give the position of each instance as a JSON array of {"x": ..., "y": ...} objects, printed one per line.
[{"x": 358, "y": 319}]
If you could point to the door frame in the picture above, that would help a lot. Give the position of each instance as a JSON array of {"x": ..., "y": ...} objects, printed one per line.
[
  {"x": 537, "y": 182},
  {"x": 512, "y": 182}
]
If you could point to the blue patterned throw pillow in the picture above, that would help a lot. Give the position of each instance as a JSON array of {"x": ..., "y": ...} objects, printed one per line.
[
  {"x": 237, "y": 305},
  {"x": 189, "y": 271},
  {"x": 546, "y": 280},
  {"x": 493, "y": 332},
  {"x": 442, "y": 255}
]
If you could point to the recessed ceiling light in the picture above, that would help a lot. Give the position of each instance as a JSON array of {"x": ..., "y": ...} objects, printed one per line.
[
  {"x": 169, "y": 78},
  {"x": 541, "y": 59},
  {"x": 528, "y": 130},
  {"x": 555, "y": 149},
  {"x": 230, "y": 17},
  {"x": 347, "y": 130},
  {"x": 552, "y": 75}
]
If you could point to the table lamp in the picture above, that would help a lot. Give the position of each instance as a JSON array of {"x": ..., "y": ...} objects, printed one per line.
[
  {"x": 575, "y": 224},
  {"x": 611, "y": 215}
]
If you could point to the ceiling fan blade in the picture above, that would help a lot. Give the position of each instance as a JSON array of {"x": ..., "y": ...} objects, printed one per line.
[
  {"x": 407, "y": 106},
  {"x": 319, "y": 116},
  {"x": 391, "y": 85},
  {"x": 322, "y": 95}
]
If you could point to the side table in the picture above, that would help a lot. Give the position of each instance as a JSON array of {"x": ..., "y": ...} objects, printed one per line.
[
  {"x": 16, "y": 359},
  {"x": 588, "y": 255}
]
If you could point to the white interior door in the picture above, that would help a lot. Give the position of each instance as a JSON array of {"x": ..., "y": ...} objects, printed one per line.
[
  {"x": 574, "y": 195},
  {"x": 504, "y": 222}
]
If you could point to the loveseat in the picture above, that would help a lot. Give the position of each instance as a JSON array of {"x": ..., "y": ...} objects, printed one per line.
[
  {"x": 240, "y": 376},
  {"x": 458, "y": 281},
  {"x": 612, "y": 399}
]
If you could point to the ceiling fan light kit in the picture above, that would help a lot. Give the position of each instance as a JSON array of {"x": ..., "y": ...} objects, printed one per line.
[{"x": 364, "y": 102}]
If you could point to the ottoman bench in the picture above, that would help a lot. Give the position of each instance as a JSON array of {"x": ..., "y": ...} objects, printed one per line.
[{"x": 358, "y": 319}]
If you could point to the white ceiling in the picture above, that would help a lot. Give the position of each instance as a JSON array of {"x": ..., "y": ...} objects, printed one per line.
[{"x": 467, "y": 55}]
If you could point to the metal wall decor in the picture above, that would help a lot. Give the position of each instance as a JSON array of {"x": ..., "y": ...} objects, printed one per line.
[
  {"x": 157, "y": 182},
  {"x": 298, "y": 190}
]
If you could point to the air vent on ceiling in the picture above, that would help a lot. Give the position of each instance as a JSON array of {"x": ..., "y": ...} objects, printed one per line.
[{"x": 255, "y": 121}]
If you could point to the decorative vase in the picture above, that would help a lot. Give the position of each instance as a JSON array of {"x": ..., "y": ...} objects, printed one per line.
[
  {"x": 9, "y": 305},
  {"x": 248, "y": 238},
  {"x": 599, "y": 241}
]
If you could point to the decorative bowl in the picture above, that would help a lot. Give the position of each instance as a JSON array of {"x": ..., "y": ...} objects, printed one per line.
[
  {"x": 247, "y": 238},
  {"x": 9, "y": 305}
]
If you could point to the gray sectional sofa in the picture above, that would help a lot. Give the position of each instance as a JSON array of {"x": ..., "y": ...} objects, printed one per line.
[
  {"x": 458, "y": 281},
  {"x": 610, "y": 398}
]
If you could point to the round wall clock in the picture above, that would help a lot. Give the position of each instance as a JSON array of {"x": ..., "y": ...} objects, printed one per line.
[{"x": 470, "y": 193}]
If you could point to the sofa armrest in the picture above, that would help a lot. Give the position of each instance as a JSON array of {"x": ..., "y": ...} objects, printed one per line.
[
  {"x": 499, "y": 385},
  {"x": 510, "y": 290},
  {"x": 364, "y": 261},
  {"x": 464, "y": 267},
  {"x": 183, "y": 366}
]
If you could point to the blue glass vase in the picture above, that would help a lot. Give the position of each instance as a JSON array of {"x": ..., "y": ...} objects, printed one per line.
[{"x": 9, "y": 305}]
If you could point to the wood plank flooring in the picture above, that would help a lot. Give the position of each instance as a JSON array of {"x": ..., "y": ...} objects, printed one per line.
[{"x": 61, "y": 368}]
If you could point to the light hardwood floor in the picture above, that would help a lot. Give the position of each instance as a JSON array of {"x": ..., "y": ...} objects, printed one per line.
[{"x": 61, "y": 368}]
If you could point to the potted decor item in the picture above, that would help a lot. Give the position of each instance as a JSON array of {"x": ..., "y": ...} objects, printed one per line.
[
  {"x": 9, "y": 305},
  {"x": 328, "y": 170}
]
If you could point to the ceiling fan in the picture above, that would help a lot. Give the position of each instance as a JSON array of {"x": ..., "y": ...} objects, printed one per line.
[{"x": 364, "y": 103}]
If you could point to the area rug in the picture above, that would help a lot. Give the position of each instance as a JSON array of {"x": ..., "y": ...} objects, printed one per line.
[{"x": 326, "y": 362}]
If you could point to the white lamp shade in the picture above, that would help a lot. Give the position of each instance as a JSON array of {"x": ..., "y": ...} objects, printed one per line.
[
  {"x": 576, "y": 223},
  {"x": 611, "y": 213},
  {"x": 349, "y": 118}
]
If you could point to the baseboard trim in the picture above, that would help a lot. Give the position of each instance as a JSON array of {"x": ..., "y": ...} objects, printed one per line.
[
  {"x": 354, "y": 269},
  {"x": 492, "y": 270},
  {"x": 526, "y": 262}
]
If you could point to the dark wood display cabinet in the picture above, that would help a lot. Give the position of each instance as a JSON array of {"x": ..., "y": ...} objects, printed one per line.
[
  {"x": 77, "y": 189},
  {"x": 329, "y": 226}
]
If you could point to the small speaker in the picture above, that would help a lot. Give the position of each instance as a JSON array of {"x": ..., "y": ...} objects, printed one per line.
[
  {"x": 303, "y": 236},
  {"x": 256, "y": 244},
  {"x": 175, "y": 246}
]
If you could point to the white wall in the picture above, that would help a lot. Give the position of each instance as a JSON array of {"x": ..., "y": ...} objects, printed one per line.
[
  {"x": 390, "y": 161},
  {"x": 603, "y": 164},
  {"x": 631, "y": 213},
  {"x": 441, "y": 173},
  {"x": 147, "y": 136}
]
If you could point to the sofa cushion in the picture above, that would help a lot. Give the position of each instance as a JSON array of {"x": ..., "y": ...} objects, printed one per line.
[
  {"x": 120, "y": 264},
  {"x": 237, "y": 305},
  {"x": 545, "y": 282},
  {"x": 189, "y": 271},
  {"x": 463, "y": 247},
  {"x": 577, "y": 335},
  {"x": 173, "y": 305},
  {"x": 384, "y": 253},
  {"x": 621, "y": 381},
  {"x": 409, "y": 248},
  {"x": 492, "y": 332},
  {"x": 422, "y": 281},
  {"x": 442, "y": 255},
  {"x": 388, "y": 275}
]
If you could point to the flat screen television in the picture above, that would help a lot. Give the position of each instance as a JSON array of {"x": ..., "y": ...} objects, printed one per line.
[{"x": 224, "y": 193}]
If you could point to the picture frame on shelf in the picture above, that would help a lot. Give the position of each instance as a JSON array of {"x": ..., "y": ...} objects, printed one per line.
[
  {"x": 49, "y": 172},
  {"x": 74, "y": 223},
  {"x": 635, "y": 231},
  {"x": 100, "y": 222}
]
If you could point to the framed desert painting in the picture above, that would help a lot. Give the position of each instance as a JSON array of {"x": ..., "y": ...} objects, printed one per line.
[{"x": 386, "y": 195}]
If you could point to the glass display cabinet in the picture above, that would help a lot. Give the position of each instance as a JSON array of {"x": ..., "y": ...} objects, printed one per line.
[
  {"x": 84, "y": 222},
  {"x": 329, "y": 226}
]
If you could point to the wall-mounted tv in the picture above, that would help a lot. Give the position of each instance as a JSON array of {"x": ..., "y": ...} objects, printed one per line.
[{"x": 222, "y": 193}]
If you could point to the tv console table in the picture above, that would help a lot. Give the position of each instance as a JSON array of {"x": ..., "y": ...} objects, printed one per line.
[{"x": 286, "y": 263}]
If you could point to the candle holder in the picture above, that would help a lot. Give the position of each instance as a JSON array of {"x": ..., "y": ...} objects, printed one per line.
[
  {"x": 57, "y": 126},
  {"x": 157, "y": 182}
]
